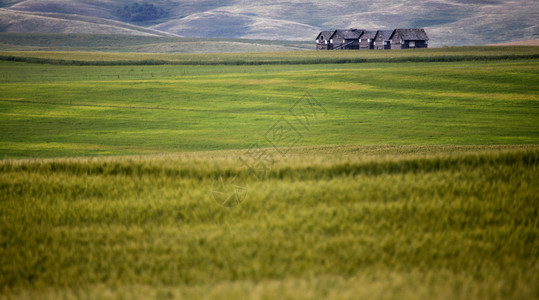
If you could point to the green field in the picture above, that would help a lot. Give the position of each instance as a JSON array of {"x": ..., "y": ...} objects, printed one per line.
[
  {"x": 450, "y": 54},
  {"x": 270, "y": 176},
  {"x": 57, "y": 110}
]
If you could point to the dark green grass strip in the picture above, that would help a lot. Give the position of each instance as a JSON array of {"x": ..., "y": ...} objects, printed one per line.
[
  {"x": 150, "y": 62},
  {"x": 195, "y": 171}
]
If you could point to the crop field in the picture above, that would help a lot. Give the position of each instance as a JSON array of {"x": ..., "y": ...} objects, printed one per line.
[
  {"x": 402, "y": 177},
  {"x": 57, "y": 110},
  {"x": 280, "y": 58}
]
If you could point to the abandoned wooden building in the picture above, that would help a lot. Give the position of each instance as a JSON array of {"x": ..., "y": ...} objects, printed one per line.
[
  {"x": 359, "y": 39},
  {"x": 381, "y": 41},
  {"x": 366, "y": 40},
  {"x": 408, "y": 38},
  {"x": 345, "y": 39},
  {"x": 323, "y": 40}
]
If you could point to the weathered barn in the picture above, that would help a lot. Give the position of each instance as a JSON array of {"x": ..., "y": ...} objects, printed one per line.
[
  {"x": 381, "y": 41},
  {"x": 323, "y": 40},
  {"x": 366, "y": 41},
  {"x": 355, "y": 39},
  {"x": 346, "y": 39},
  {"x": 408, "y": 38}
]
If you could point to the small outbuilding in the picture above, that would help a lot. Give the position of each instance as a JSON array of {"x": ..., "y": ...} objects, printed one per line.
[
  {"x": 323, "y": 40},
  {"x": 381, "y": 41},
  {"x": 408, "y": 38},
  {"x": 366, "y": 41},
  {"x": 346, "y": 39}
]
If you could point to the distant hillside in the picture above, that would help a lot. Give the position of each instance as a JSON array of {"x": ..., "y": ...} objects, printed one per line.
[
  {"x": 135, "y": 43},
  {"x": 15, "y": 21},
  {"x": 448, "y": 22},
  {"x": 519, "y": 43},
  {"x": 238, "y": 25}
]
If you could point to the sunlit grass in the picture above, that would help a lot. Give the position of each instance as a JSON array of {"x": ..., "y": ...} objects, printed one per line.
[
  {"x": 386, "y": 221},
  {"x": 418, "y": 183},
  {"x": 163, "y": 109}
]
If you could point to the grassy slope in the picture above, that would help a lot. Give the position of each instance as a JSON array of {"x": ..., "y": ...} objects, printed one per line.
[
  {"x": 400, "y": 222},
  {"x": 126, "y": 43},
  {"x": 410, "y": 221},
  {"x": 52, "y": 22},
  {"x": 68, "y": 110}
]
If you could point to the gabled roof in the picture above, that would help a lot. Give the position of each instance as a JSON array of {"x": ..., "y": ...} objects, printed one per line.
[
  {"x": 411, "y": 34},
  {"x": 326, "y": 34},
  {"x": 384, "y": 34},
  {"x": 368, "y": 35},
  {"x": 348, "y": 34}
]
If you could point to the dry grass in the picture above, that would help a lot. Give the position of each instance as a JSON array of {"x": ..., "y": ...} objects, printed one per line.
[{"x": 519, "y": 43}]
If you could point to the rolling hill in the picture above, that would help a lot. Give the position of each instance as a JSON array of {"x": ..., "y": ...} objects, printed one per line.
[
  {"x": 42, "y": 22},
  {"x": 448, "y": 22}
]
